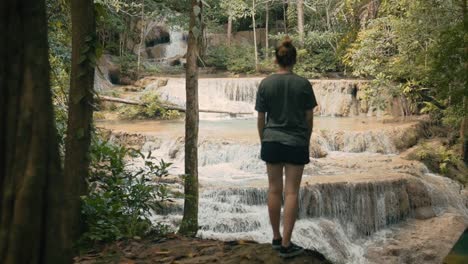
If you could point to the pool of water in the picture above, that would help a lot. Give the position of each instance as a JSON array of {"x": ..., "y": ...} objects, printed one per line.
[
  {"x": 241, "y": 129},
  {"x": 459, "y": 253}
]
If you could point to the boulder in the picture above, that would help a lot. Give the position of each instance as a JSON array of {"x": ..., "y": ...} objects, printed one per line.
[{"x": 424, "y": 213}]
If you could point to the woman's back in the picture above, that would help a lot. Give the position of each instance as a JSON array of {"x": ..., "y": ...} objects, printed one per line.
[{"x": 285, "y": 98}]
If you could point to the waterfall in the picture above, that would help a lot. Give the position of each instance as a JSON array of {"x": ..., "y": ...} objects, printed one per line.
[
  {"x": 333, "y": 217},
  {"x": 228, "y": 94},
  {"x": 335, "y": 97},
  {"x": 355, "y": 189},
  {"x": 176, "y": 47}
]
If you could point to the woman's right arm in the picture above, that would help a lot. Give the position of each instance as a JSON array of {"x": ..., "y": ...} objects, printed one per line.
[
  {"x": 261, "y": 124},
  {"x": 310, "y": 121}
]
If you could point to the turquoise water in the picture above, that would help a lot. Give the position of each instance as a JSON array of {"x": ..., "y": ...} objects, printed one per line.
[
  {"x": 459, "y": 253},
  {"x": 243, "y": 129}
]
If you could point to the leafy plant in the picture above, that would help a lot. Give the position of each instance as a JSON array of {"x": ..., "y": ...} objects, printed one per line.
[
  {"x": 439, "y": 158},
  {"x": 152, "y": 109},
  {"x": 121, "y": 195},
  {"x": 235, "y": 58}
]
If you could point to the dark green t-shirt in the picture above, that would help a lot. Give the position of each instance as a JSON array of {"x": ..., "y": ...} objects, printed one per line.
[{"x": 285, "y": 98}]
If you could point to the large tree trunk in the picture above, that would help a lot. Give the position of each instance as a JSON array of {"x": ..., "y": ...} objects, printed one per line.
[
  {"x": 300, "y": 21},
  {"x": 80, "y": 110},
  {"x": 189, "y": 225},
  {"x": 255, "y": 35},
  {"x": 32, "y": 229},
  {"x": 229, "y": 30}
]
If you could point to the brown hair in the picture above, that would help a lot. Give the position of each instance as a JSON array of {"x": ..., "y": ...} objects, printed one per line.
[{"x": 286, "y": 53}]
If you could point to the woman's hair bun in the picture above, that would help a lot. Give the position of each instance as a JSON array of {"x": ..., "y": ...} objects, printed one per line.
[
  {"x": 287, "y": 42},
  {"x": 286, "y": 53}
]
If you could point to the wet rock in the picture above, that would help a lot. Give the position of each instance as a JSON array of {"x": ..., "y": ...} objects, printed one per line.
[
  {"x": 418, "y": 241},
  {"x": 132, "y": 88},
  {"x": 407, "y": 137},
  {"x": 126, "y": 80},
  {"x": 173, "y": 153},
  {"x": 129, "y": 140},
  {"x": 107, "y": 73},
  {"x": 423, "y": 213},
  {"x": 464, "y": 193},
  {"x": 150, "y": 146},
  {"x": 155, "y": 82},
  {"x": 157, "y": 35},
  {"x": 418, "y": 194},
  {"x": 316, "y": 149}
]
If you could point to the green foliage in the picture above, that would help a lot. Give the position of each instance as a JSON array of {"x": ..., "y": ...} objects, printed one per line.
[
  {"x": 440, "y": 158},
  {"x": 453, "y": 116},
  {"x": 241, "y": 59},
  {"x": 373, "y": 51},
  {"x": 317, "y": 56},
  {"x": 121, "y": 196},
  {"x": 153, "y": 109},
  {"x": 447, "y": 71},
  {"x": 234, "y": 8},
  {"x": 217, "y": 56},
  {"x": 128, "y": 66},
  {"x": 377, "y": 92},
  {"x": 420, "y": 46},
  {"x": 59, "y": 37},
  {"x": 235, "y": 58}
]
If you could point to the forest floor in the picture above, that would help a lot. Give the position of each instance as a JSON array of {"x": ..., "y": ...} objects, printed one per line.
[{"x": 175, "y": 249}]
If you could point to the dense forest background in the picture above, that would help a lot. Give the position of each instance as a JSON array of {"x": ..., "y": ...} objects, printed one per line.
[
  {"x": 413, "y": 48},
  {"x": 416, "y": 49}
]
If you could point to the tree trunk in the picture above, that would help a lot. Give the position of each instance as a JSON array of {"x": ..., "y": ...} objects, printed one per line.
[
  {"x": 142, "y": 36},
  {"x": 267, "y": 20},
  {"x": 32, "y": 229},
  {"x": 80, "y": 111},
  {"x": 300, "y": 21},
  {"x": 464, "y": 125},
  {"x": 285, "y": 16},
  {"x": 255, "y": 35},
  {"x": 189, "y": 225},
  {"x": 464, "y": 130},
  {"x": 229, "y": 30}
]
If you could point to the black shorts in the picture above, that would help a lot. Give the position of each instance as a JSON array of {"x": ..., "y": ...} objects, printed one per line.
[{"x": 274, "y": 152}]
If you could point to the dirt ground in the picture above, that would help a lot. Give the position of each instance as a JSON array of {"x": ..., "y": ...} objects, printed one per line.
[{"x": 175, "y": 249}]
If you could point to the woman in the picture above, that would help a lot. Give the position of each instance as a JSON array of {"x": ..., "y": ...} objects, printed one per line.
[{"x": 287, "y": 100}]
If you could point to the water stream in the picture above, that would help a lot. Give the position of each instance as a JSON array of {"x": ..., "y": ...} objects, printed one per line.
[{"x": 355, "y": 187}]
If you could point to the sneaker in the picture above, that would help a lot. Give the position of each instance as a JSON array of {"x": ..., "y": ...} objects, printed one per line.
[
  {"x": 291, "y": 251},
  {"x": 276, "y": 243}
]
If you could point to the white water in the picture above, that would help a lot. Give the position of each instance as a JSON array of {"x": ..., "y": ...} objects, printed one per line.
[
  {"x": 177, "y": 47},
  {"x": 358, "y": 190},
  {"x": 335, "y": 97}
]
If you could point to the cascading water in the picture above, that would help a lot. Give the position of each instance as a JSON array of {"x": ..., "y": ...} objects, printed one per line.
[
  {"x": 335, "y": 97},
  {"x": 176, "y": 47},
  {"x": 359, "y": 188}
]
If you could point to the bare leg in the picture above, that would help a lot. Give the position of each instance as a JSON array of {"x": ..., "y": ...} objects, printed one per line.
[
  {"x": 293, "y": 182},
  {"x": 275, "y": 195}
]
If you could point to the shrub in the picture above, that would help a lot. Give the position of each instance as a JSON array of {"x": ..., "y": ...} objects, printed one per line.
[
  {"x": 128, "y": 66},
  {"x": 235, "y": 58},
  {"x": 153, "y": 109},
  {"x": 121, "y": 197},
  {"x": 317, "y": 56}
]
